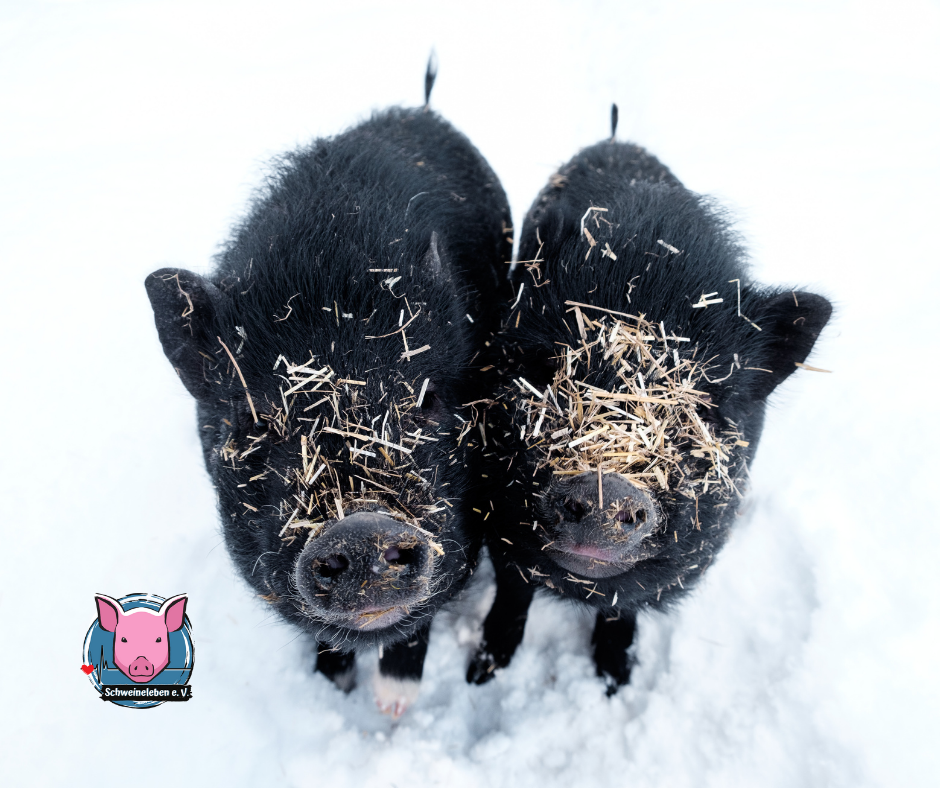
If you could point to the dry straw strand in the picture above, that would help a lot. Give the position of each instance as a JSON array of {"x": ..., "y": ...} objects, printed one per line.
[{"x": 647, "y": 429}]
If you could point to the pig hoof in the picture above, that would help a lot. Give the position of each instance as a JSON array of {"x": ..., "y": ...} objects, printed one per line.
[
  {"x": 346, "y": 681},
  {"x": 482, "y": 667},
  {"x": 394, "y": 696},
  {"x": 614, "y": 679},
  {"x": 338, "y": 667},
  {"x": 611, "y": 686}
]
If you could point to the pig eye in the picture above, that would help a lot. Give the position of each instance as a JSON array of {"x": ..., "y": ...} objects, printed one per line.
[
  {"x": 431, "y": 405},
  {"x": 709, "y": 415},
  {"x": 541, "y": 370},
  {"x": 124, "y": 640},
  {"x": 244, "y": 422},
  {"x": 159, "y": 640}
]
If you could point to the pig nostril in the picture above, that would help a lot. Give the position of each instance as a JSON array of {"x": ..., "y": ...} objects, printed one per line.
[
  {"x": 574, "y": 509},
  {"x": 332, "y": 567},
  {"x": 630, "y": 516},
  {"x": 399, "y": 556}
]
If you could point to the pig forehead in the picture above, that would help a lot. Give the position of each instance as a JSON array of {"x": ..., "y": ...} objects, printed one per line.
[
  {"x": 368, "y": 387},
  {"x": 141, "y": 620}
]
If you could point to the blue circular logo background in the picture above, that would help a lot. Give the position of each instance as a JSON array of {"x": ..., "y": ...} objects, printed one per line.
[{"x": 99, "y": 651}]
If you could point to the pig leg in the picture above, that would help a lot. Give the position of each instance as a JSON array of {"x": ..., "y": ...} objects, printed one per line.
[
  {"x": 398, "y": 679},
  {"x": 612, "y": 637},
  {"x": 338, "y": 667},
  {"x": 504, "y": 624}
]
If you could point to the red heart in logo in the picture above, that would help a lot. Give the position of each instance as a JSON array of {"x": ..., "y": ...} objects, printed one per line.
[{"x": 88, "y": 669}]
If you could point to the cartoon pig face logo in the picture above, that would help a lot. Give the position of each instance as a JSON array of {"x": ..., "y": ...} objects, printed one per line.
[{"x": 141, "y": 637}]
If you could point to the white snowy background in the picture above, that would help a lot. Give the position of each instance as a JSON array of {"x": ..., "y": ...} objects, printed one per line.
[{"x": 131, "y": 135}]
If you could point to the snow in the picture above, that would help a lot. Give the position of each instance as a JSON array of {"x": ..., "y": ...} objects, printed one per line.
[{"x": 132, "y": 134}]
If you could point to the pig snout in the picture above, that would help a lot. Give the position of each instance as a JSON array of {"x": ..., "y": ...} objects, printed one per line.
[
  {"x": 141, "y": 669},
  {"x": 365, "y": 572},
  {"x": 601, "y": 501},
  {"x": 599, "y": 525}
]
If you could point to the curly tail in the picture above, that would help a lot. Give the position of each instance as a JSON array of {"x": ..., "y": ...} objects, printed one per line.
[{"x": 429, "y": 76}]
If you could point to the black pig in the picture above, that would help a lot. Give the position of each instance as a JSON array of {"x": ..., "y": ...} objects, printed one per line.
[
  {"x": 630, "y": 384},
  {"x": 328, "y": 354}
]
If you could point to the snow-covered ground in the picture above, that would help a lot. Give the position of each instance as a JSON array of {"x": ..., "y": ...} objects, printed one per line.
[{"x": 132, "y": 134}]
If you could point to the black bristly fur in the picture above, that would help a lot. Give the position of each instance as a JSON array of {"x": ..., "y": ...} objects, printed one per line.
[
  {"x": 403, "y": 190},
  {"x": 404, "y": 660},
  {"x": 611, "y": 639},
  {"x": 648, "y": 211}
]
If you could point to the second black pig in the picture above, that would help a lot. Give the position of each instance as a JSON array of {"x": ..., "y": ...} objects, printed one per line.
[
  {"x": 328, "y": 353},
  {"x": 631, "y": 381}
]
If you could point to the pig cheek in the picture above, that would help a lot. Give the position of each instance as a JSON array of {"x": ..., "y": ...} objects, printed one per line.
[
  {"x": 122, "y": 655},
  {"x": 535, "y": 482},
  {"x": 146, "y": 645},
  {"x": 159, "y": 653}
]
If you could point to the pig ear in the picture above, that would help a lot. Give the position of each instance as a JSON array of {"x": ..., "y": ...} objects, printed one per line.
[
  {"x": 109, "y": 612},
  {"x": 184, "y": 311},
  {"x": 173, "y": 611},
  {"x": 790, "y": 323}
]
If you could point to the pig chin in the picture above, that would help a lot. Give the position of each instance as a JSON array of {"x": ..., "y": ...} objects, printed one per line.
[
  {"x": 376, "y": 618},
  {"x": 372, "y": 619},
  {"x": 588, "y": 561},
  {"x": 372, "y": 625}
]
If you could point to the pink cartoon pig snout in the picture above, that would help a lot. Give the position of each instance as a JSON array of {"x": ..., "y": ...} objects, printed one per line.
[
  {"x": 142, "y": 668},
  {"x": 141, "y": 636}
]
